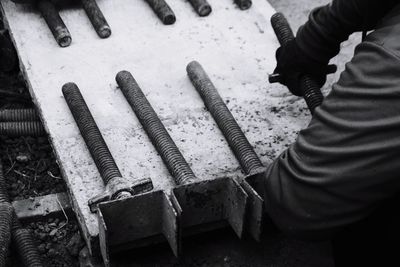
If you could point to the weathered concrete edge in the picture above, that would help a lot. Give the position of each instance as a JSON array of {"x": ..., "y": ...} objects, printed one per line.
[{"x": 90, "y": 238}]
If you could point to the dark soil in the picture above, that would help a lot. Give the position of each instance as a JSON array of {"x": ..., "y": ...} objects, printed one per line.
[{"x": 31, "y": 170}]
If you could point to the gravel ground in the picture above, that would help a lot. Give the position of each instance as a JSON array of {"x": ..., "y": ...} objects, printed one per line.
[{"x": 31, "y": 170}]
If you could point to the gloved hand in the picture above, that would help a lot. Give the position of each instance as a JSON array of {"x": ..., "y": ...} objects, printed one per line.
[{"x": 292, "y": 64}]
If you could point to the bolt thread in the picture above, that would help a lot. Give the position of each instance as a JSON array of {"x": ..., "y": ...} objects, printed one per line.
[
  {"x": 202, "y": 7},
  {"x": 25, "y": 245},
  {"x": 97, "y": 18},
  {"x": 55, "y": 23},
  {"x": 159, "y": 136},
  {"x": 241, "y": 147},
  {"x": 243, "y": 4},
  {"x": 281, "y": 28},
  {"x": 22, "y": 128},
  {"x": 310, "y": 90},
  {"x": 21, "y": 238},
  {"x": 3, "y": 187},
  {"x": 311, "y": 93},
  {"x": 163, "y": 11},
  {"x": 6, "y": 214},
  {"x": 12, "y": 115},
  {"x": 90, "y": 132}
]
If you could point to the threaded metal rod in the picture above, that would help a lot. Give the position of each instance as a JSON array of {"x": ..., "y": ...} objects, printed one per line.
[
  {"x": 243, "y": 4},
  {"x": 202, "y": 7},
  {"x": 101, "y": 155},
  {"x": 309, "y": 88},
  {"x": 55, "y": 23},
  {"x": 163, "y": 11},
  {"x": 97, "y": 18},
  {"x": 6, "y": 213},
  {"x": 241, "y": 147},
  {"x": 281, "y": 27},
  {"x": 22, "y": 128},
  {"x": 21, "y": 238},
  {"x": 159, "y": 136},
  {"x": 25, "y": 245},
  {"x": 12, "y": 115}
]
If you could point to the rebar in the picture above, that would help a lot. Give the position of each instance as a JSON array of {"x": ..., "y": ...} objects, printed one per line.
[
  {"x": 241, "y": 147},
  {"x": 163, "y": 11},
  {"x": 91, "y": 134},
  {"x": 55, "y": 23},
  {"x": 97, "y": 18},
  {"x": 13, "y": 115},
  {"x": 202, "y": 7},
  {"x": 22, "y": 128},
  {"x": 159, "y": 136},
  {"x": 243, "y": 4},
  {"x": 309, "y": 88}
]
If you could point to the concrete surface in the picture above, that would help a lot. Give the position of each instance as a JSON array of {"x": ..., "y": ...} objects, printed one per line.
[{"x": 235, "y": 47}]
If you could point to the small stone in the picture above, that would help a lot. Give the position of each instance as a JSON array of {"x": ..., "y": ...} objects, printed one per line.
[
  {"x": 42, "y": 248},
  {"x": 42, "y": 236},
  {"x": 53, "y": 232},
  {"x": 23, "y": 157},
  {"x": 52, "y": 252}
]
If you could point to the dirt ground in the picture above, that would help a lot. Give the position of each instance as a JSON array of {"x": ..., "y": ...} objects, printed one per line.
[{"x": 31, "y": 170}]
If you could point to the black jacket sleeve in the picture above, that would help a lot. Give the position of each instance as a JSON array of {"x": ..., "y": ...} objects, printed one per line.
[{"x": 330, "y": 25}]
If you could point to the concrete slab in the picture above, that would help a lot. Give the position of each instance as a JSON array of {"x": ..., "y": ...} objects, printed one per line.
[{"x": 235, "y": 47}]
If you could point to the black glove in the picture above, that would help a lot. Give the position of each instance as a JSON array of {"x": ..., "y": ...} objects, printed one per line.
[{"x": 292, "y": 64}]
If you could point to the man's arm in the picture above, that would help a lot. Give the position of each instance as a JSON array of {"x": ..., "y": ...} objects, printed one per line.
[
  {"x": 347, "y": 161},
  {"x": 330, "y": 25}
]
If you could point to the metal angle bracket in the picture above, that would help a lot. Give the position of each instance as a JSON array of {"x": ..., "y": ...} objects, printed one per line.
[
  {"x": 136, "y": 219},
  {"x": 252, "y": 184},
  {"x": 211, "y": 201}
]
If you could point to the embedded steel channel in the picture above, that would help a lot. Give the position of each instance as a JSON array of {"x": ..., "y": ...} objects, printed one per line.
[
  {"x": 163, "y": 11},
  {"x": 97, "y": 18},
  {"x": 309, "y": 88},
  {"x": 202, "y": 7},
  {"x": 243, "y": 4},
  {"x": 203, "y": 202},
  {"x": 55, "y": 23},
  {"x": 244, "y": 152},
  {"x": 116, "y": 186}
]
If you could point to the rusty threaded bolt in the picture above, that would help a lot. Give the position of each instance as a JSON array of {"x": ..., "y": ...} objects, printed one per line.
[
  {"x": 243, "y": 4},
  {"x": 97, "y": 18},
  {"x": 159, "y": 136},
  {"x": 241, "y": 147},
  {"x": 163, "y": 11},
  {"x": 6, "y": 215},
  {"x": 309, "y": 88},
  {"x": 281, "y": 27},
  {"x": 55, "y": 23},
  {"x": 10, "y": 115},
  {"x": 101, "y": 155},
  {"x": 22, "y": 128},
  {"x": 25, "y": 245},
  {"x": 202, "y": 7},
  {"x": 21, "y": 238}
]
